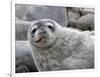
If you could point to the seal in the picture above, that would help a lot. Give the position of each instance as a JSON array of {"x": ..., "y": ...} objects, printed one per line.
[{"x": 58, "y": 48}]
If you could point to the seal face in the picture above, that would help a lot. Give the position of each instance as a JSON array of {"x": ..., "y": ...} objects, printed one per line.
[{"x": 42, "y": 33}]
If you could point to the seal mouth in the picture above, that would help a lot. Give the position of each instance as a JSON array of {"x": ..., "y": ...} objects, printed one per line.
[
  {"x": 37, "y": 41},
  {"x": 43, "y": 39}
]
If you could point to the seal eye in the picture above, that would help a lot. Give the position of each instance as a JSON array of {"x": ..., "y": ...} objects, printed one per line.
[
  {"x": 50, "y": 27},
  {"x": 33, "y": 31}
]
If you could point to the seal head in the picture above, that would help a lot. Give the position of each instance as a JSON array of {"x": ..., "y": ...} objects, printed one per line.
[{"x": 43, "y": 33}]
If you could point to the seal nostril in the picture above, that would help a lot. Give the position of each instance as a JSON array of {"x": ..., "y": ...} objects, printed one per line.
[{"x": 44, "y": 31}]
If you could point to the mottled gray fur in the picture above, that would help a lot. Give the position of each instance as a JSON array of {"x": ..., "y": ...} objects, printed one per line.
[{"x": 62, "y": 49}]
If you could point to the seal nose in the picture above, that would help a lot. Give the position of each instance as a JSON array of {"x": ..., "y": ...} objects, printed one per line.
[{"x": 42, "y": 31}]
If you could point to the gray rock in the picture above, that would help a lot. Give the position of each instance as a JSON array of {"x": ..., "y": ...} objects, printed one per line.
[
  {"x": 24, "y": 60},
  {"x": 21, "y": 29},
  {"x": 47, "y": 12},
  {"x": 85, "y": 11},
  {"x": 73, "y": 13},
  {"x": 85, "y": 22},
  {"x": 20, "y": 10},
  {"x": 22, "y": 69}
]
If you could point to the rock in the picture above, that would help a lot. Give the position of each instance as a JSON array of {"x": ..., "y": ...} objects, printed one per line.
[
  {"x": 21, "y": 29},
  {"x": 24, "y": 59},
  {"x": 20, "y": 10},
  {"x": 47, "y": 12},
  {"x": 85, "y": 11},
  {"x": 73, "y": 13},
  {"x": 85, "y": 22},
  {"x": 21, "y": 69}
]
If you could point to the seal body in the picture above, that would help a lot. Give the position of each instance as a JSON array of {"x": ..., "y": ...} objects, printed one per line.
[{"x": 57, "y": 48}]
